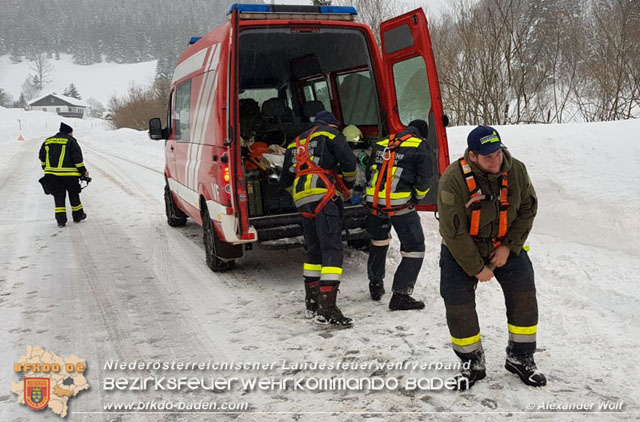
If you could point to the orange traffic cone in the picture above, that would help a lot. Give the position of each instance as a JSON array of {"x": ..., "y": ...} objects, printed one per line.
[{"x": 20, "y": 138}]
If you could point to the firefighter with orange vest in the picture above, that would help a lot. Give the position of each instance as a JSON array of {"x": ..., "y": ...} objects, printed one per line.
[
  {"x": 319, "y": 171},
  {"x": 486, "y": 206},
  {"x": 398, "y": 175}
]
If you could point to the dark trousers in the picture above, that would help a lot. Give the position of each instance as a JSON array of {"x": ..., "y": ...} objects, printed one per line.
[
  {"x": 323, "y": 242},
  {"x": 409, "y": 230},
  {"x": 458, "y": 289},
  {"x": 60, "y": 186}
]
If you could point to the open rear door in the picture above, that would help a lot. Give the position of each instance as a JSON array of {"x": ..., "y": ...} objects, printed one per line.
[{"x": 412, "y": 81}]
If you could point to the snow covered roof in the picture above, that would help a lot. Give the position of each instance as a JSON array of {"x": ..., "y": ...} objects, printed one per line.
[{"x": 70, "y": 100}]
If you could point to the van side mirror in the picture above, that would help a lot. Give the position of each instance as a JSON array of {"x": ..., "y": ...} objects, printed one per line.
[
  {"x": 155, "y": 129},
  {"x": 445, "y": 120}
]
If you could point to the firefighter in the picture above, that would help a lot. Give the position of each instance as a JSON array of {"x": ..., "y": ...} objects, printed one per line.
[
  {"x": 61, "y": 160},
  {"x": 319, "y": 170},
  {"x": 487, "y": 204},
  {"x": 398, "y": 175}
]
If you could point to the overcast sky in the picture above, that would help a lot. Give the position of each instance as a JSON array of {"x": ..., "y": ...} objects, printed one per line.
[{"x": 434, "y": 7}]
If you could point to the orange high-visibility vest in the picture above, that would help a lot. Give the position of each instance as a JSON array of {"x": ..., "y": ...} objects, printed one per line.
[{"x": 477, "y": 196}]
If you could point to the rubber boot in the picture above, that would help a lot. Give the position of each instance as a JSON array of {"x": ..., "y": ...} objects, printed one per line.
[
  {"x": 328, "y": 313},
  {"x": 311, "y": 290}
]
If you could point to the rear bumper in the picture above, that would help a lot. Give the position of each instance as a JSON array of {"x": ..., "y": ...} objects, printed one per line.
[{"x": 273, "y": 227}]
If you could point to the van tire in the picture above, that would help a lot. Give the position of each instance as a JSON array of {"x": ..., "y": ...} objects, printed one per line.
[
  {"x": 175, "y": 216},
  {"x": 210, "y": 237},
  {"x": 360, "y": 244}
]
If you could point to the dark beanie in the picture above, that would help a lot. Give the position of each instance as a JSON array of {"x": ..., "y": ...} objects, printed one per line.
[
  {"x": 65, "y": 128},
  {"x": 326, "y": 117},
  {"x": 422, "y": 126}
]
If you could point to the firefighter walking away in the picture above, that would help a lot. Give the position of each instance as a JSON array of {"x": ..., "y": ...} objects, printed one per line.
[
  {"x": 319, "y": 170},
  {"x": 61, "y": 160}
]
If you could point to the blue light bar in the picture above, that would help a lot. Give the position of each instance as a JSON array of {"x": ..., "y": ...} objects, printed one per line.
[
  {"x": 194, "y": 40},
  {"x": 347, "y": 10},
  {"x": 278, "y": 8}
]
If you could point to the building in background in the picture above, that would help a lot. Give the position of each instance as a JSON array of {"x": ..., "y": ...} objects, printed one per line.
[{"x": 60, "y": 104}]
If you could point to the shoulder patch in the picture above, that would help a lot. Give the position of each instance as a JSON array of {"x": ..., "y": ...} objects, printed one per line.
[{"x": 447, "y": 197}]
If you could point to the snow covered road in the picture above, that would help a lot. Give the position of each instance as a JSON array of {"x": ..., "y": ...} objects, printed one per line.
[{"x": 123, "y": 285}]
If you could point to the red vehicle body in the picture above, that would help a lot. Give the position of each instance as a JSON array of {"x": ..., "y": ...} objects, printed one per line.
[{"x": 290, "y": 61}]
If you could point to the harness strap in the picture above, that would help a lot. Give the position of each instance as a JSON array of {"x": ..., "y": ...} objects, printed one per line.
[
  {"x": 302, "y": 159},
  {"x": 387, "y": 165},
  {"x": 476, "y": 197}
]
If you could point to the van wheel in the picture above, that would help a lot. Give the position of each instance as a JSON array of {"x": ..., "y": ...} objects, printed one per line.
[
  {"x": 210, "y": 237},
  {"x": 175, "y": 216}
]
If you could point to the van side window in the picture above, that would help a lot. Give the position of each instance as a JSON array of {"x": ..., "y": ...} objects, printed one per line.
[
  {"x": 183, "y": 102},
  {"x": 412, "y": 90},
  {"x": 398, "y": 39},
  {"x": 357, "y": 98}
]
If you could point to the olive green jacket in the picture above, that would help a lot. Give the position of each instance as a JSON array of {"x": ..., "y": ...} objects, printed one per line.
[{"x": 453, "y": 194}]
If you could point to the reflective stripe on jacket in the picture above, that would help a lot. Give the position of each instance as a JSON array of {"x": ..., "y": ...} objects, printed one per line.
[
  {"x": 411, "y": 171},
  {"x": 329, "y": 150},
  {"x": 61, "y": 155}
]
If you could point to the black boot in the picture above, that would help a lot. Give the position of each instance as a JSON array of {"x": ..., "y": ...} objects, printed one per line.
[
  {"x": 525, "y": 367},
  {"x": 400, "y": 302},
  {"x": 328, "y": 312},
  {"x": 79, "y": 218},
  {"x": 311, "y": 298},
  {"x": 473, "y": 370},
  {"x": 376, "y": 288}
]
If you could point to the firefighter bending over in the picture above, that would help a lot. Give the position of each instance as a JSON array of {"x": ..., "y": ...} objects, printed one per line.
[{"x": 487, "y": 205}]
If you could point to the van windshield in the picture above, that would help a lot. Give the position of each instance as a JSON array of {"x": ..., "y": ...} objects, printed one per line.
[{"x": 309, "y": 70}]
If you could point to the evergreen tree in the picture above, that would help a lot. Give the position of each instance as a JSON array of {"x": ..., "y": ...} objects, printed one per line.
[{"x": 72, "y": 91}]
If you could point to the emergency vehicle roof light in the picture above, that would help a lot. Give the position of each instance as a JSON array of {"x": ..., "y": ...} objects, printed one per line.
[
  {"x": 278, "y": 11},
  {"x": 194, "y": 40}
]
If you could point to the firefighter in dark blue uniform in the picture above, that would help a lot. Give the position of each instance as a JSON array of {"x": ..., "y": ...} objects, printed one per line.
[
  {"x": 319, "y": 170},
  {"x": 61, "y": 160},
  {"x": 398, "y": 176}
]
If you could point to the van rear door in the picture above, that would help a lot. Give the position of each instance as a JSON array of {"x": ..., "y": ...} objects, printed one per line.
[
  {"x": 412, "y": 81},
  {"x": 239, "y": 197}
]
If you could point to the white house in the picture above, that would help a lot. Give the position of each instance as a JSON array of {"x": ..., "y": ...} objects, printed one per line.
[{"x": 60, "y": 104}]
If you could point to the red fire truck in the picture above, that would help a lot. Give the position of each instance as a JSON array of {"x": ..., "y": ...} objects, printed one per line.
[{"x": 258, "y": 80}]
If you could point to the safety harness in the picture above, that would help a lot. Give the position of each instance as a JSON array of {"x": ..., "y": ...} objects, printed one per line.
[
  {"x": 386, "y": 172},
  {"x": 474, "y": 203},
  {"x": 303, "y": 160}
]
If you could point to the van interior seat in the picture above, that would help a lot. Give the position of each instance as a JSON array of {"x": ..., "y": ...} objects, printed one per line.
[
  {"x": 311, "y": 108},
  {"x": 275, "y": 111}
]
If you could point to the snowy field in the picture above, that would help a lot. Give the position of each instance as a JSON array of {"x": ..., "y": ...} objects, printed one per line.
[
  {"x": 100, "y": 81},
  {"x": 124, "y": 286}
]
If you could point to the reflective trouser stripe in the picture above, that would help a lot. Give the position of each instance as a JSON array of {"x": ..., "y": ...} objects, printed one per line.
[
  {"x": 76, "y": 208},
  {"x": 61, "y": 209},
  {"x": 312, "y": 270},
  {"x": 412, "y": 254},
  {"x": 522, "y": 334},
  {"x": 384, "y": 242},
  {"x": 467, "y": 345},
  {"x": 331, "y": 274}
]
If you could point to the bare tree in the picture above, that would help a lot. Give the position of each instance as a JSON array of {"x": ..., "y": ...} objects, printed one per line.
[
  {"x": 373, "y": 12},
  {"x": 42, "y": 68}
]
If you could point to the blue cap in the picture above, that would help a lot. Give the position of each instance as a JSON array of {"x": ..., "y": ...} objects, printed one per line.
[
  {"x": 484, "y": 140},
  {"x": 326, "y": 117}
]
